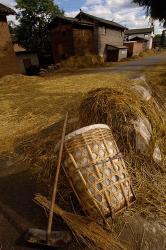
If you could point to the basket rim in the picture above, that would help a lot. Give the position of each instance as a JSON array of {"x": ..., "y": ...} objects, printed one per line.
[{"x": 85, "y": 129}]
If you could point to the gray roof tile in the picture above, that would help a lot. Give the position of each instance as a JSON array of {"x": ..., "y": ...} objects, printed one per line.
[
  {"x": 138, "y": 31},
  {"x": 100, "y": 20}
]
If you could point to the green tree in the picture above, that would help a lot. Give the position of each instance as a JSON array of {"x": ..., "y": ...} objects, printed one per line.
[
  {"x": 155, "y": 8},
  {"x": 12, "y": 27},
  {"x": 163, "y": 38},
  {"x": 33, "y": 17},
  {"x": 157, "y": 40}
]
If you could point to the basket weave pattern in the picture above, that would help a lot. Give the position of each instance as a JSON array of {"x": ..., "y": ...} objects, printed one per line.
[{"x": 97, "y": 173}]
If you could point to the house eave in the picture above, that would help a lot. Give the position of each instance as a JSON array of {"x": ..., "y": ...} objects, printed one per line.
[
  {"x": 6, "y": 11},
  {"x": 69, "y": 20}
]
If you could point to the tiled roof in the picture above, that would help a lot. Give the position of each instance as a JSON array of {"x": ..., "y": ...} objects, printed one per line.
[
  {"x": 4, "y": 10},
  {"x": 69, "y": 20},
  {"x": 138, "y": 31},
  {"x": 137, "y": 38},
  {"x": 100, "y": 20},
  {"x": 117, "y": 46}
]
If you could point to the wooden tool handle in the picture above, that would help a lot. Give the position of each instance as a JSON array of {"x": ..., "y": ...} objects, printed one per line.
[{"x": 50, "y": 219}]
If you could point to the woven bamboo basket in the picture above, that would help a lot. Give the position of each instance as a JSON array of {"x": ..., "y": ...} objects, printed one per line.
[{"x": 97, "y": 172}]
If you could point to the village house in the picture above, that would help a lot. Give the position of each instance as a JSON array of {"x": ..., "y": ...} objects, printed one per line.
[
  {"x": 135, "y": 46},
  {"x": 86, "y": 34},
  {"x": 27, "y": 60},
  {"x": 144, "y": 36},
  {"x": 8, "y": 60}
]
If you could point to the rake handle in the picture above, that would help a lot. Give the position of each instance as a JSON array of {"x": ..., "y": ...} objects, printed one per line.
[{"x": 50, "y": 219}]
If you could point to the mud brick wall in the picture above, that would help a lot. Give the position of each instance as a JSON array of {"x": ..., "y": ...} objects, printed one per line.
[
  {"x": 62, "y": 42},
  {"x": 83, "y": 41},
  {"x": 69, "y": 41},
  {"x": 138, "y": 47},
  {"x": 8, "y": 60},
  {"x": 134, "y": 48}
]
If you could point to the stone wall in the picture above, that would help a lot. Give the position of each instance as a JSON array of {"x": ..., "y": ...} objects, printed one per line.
[
  {"x": 108, "y": 36},
  {"x": 122, "y": 54}
]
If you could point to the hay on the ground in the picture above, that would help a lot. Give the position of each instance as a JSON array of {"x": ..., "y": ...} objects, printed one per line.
[
  {"x": 88, "y": 231},
  {"x": 88, "y": 60},
  {"x": 118, "y": 106}
]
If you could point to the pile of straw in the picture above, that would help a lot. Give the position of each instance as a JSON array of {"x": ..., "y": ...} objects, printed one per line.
[
  {"x": 89, "y": 232},
  {"x": 118, "y": 107},
  {"x": 82, "y": 61}
]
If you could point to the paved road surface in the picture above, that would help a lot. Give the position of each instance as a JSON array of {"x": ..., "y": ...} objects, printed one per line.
[{"x": 136, "y": 66}]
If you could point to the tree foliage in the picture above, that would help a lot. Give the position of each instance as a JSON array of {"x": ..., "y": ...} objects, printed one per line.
[
  {"x": 157, "y": 40},
  {"x": 12, "y": 27},
  {"x": 33, "y": 17},
  {"x": 163, "y": 38},
  {"x": 155, "y": 8}
]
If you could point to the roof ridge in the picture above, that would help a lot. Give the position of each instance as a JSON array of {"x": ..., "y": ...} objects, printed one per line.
[
  {"x": 72, "y": 18},
  {"x": 101, "y": 19},
  {"x": 142, "y": 28}
]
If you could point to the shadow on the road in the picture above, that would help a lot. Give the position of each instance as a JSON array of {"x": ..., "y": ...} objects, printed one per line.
[
  {"x": 16, "y": 195},
  {"x": 18, "y": 208}
]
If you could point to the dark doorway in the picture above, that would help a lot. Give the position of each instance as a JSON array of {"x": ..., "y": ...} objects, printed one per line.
[
  {"x": 27, "y": 63},
  {"x": 112, "y": 55},
  {"x": 29, "y": 68}
]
